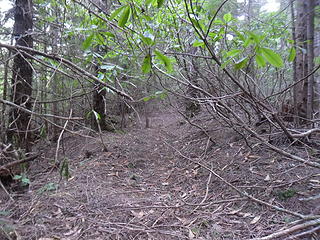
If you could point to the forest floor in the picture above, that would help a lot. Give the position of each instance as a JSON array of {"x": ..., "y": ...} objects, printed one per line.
[{"x": 163, "y": 182}]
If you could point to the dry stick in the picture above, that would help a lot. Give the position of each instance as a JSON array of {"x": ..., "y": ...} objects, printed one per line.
[
  {"x": 285, "y": 130},
  {"x": 5, "y": 190},
  {"x": 59, "y": 139},
  {"x": 274, "y": 148},
  {"x": 206, "y": 194},
  {"x": 237, "y": 190},
  {"x": 43, "y": 116},
  {"x": 69, "y": 64},
  {"x": 295, "y": 83},
  {"x": 203, "y": 37},
  {"x": 290, "y": 230},
  {"x": 305, "y": 134},
  {"x": 298, "y": 236},
  {"x": 266, "y": 143},
  {"x": 11, "y": 164},
  {"x": 37, "y": 114}
]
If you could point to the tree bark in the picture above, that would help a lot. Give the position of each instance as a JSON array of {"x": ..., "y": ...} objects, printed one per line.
[
  {"x": 301, "y": 67},
  {"x": 19, "y": 132}
]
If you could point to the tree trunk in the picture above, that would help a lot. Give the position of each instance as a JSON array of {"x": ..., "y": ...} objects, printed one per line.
[
  {"x": 301, "y": 67},
  {"x": 21, "y": 76},
  {"x": 310, "y": 38}
]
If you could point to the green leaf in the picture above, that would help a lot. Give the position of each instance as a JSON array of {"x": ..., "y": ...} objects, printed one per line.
[
  {"x": 218, "y": 22},
  {"x": 273, "y": 58},
  {"x": 17, "y": 177},
  {"x": 196, "y": 23},
  {"x": 116, "y": 12},
  {"x": 260, "y": 60},
  {"x": 108, "y": 67},
  {"x": 96, "y": 115},
  {"x": 292, "y": 54},
  {"x": 146, "y": 65},
  {"x": 87, "y": 43},
  {"x": 241, "y": 63},
  {"x": 100, "y": 76},
  {"x": 147, "y": 38},
  {"x": 125, "y": 15},
  {"x": 100, "y": 39},
  {"x": 198, "y": 43},
  {"x": 25, "y": 181},
  {"x": 109, "y": 34},
  {"x": 247, "y": 42},
  {"x": 165, "y": 60},
  {"x": 160, "y": 3},
  {"x": 256, "y": 38},
  {"x": 146, "y": 99},
  {"x": 233, "y": 53},
  {"x": 227, "y": 17},
  {"x": 148, "y": 2}
]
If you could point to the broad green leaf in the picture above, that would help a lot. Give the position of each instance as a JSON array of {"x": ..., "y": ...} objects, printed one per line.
[
  {"x": 292, "y": 54},
  {"x": 256, "y": 38},
  {"x": 147, "y": 38},
  {"x": 218, "y": 22},
  {"x": 198, "y": 43},
  {"x": 273, "y": 58},
  {"x": 148, "y": 2},
  {"x": 87, "y": 43},
  {"x": 227, "y": 17},
  {"x": 290, "y": 41},
  {"x": 165, "y": 60},
  {"x": 247, "y": 42},
  {"x": 241, "y": 63},
  {"x": 260, "y": 60},
  {"x": 125, "y": 15},
  {"x": 100, "y": 39},
  {"x": 239, "y": 34},
  {"x": 117, "y": 12},
  {"x": 223, "y": 65},
  {"x": 148, "y": 18},
  {"x": 146, "y": 65},
  {"x": 233, "y": 53},
  {"x": 160, "y": 3},
  {"x": 212, "y": 34},
  {"x": 109, "y": 34}
]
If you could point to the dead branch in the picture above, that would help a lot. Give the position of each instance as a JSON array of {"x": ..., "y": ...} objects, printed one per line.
[
  {"x": 261, "y": 202},
  {"x": 59, "y": 139},
  {"x": 307, "y": 133},
  {"x": 17, "y": 162},
  {"x": 67, "y": 63},
  {"x": 290, "y": 230}
]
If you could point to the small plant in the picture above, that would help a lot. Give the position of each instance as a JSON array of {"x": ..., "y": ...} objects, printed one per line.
[
  {"x": 23, "y": 179},
  {"x": 64, "y": 169},
  {"x": 48, "y": 187},
  {"x": 285, "y": 195}
]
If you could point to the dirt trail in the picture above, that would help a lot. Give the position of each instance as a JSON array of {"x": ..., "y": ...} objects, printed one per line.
[
  {"x": 142, "y": 188},
  {"x": 124, "y": 193}
]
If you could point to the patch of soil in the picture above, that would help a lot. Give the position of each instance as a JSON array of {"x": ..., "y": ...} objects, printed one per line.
[{"x": 169, "y": 181}]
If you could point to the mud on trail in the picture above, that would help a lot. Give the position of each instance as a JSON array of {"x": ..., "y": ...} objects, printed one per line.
[{"x": 150, "y": 184}]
